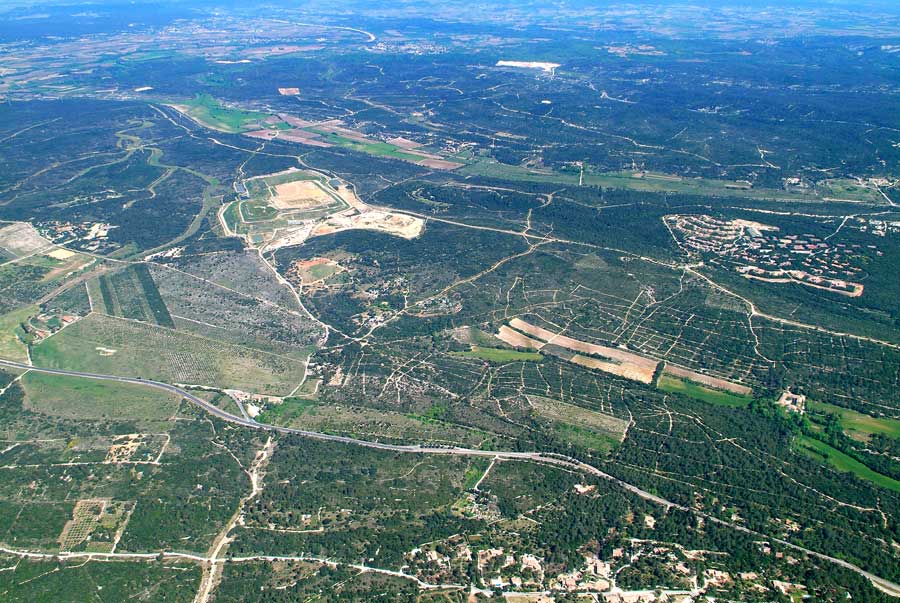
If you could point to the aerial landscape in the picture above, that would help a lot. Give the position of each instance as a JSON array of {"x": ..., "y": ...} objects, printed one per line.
[{"x": 448, "y": 302}]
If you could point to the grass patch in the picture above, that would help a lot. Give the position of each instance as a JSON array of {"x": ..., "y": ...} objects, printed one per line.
[
  {"x": 257, "y": 211},
  {"x": 287, "y": 411},
  {"x": 474, "y": 471},
  {"x": 499, "y": 355},
  {"x": 320, "y": 272},
  {"x": 857, "y": 423},
  {"x": 653, "y": 183},
  {"x": 206, "y": 109},
  {"x": 581, "y": 426},
  {"x": 79, "y": 398},
  {"x": 435, "y": 414},
  {"x": 111, "y": 346},
  {"x": 231, "y": 216},
  {"x": 844, "y": 463},
  {"x": 381, "y": 149},
  {"x": 12, "y": 346},
  {"x": 585, "y": 438},
  {"x": 699, "y": 392}
]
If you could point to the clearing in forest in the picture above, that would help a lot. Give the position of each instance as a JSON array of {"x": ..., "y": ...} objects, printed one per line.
[
  {"x": 96, "y": 525},
  {"x": 313, "y": 271},
  {"x": 616, "y": 361},
  {"x": 581, "y": 425},
  {"x": 714, "y": 382}
]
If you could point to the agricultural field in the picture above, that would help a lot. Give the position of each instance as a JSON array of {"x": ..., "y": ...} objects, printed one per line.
[
  {"x": 90, "y": 399},
  {"x": 847, "y": 464},
  {"x": 706, "y": 394},
  {"x": 132, "y": 293},
  {"x": 498, "y": 355},
  {"x": 210, "y": 112},
  {"x": 114, "y": 346},
  {"x": 857, "y": 424}
]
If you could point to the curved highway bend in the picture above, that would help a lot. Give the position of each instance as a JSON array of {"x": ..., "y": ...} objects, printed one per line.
[{"x": 881, "y": 584}]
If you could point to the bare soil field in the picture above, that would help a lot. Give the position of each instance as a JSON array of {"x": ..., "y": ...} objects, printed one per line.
[
  {"x": 280, "y": 49},
  {"x": 623, "y": 363},
  {"x": 263, "y": 134},
  {"x": 683, "y": 373},
  {"x": 516, "y": 339},
  {"x": 581, "y": 346},
  {"x": 349, "y": 195},
  {"x": 61, "y": 254},
  {"x": 293, "y": 135},
  {"x": 21, "y": 239},
  {"x": 620, "y": 362},
  {"x": 304, "y": 137},
  {"x": 628, "y": 370},
  {"x": 404, "y": 143},
  {"x": 300, "y": 194},
  {"x": 401, "y": 225},
  {"x": 440, "y": 164}
]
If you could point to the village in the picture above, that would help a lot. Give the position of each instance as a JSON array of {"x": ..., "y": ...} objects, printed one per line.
[
  {"x": 522, "y": 576},
  {"x": 760, "y": 252}
]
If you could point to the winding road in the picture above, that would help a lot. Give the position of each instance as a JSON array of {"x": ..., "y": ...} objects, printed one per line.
[{"x": 886, "y": 586}]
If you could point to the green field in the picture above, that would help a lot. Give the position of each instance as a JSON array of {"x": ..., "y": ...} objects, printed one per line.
[
  {"x": 586, "y": 438},
  {"x": 255, "y": 211},
  {"x": 846, "y": 188},
  {"x": 111, "y": 346},
  {"x": 693, "y": 390},
  {"x": 281, "y": 178},
  {"x": 844, "y": 463},
  {"x": 651, "y": 183},
  {"x": 858, "y": 424},
  {"x": 210, "y": 112},
  {"x": 78, "y": 398},
  {"x": 232, "y": 216},
  {"x": 474, "y": 472},
  {"x": 320, "y": 272},
  {"x": 11, "y": 346},
  {"x": 381, "y": 149},
  {"x": 581, "y": 426},
  {"x": 499, "y": 355},
  {"x": 287, "y": 411}
]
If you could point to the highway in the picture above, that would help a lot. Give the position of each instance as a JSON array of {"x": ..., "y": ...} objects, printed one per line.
[{"x": 559, "y": 460}]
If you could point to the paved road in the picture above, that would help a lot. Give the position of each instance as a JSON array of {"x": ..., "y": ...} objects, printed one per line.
[{"x": 881, "y": 584}]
